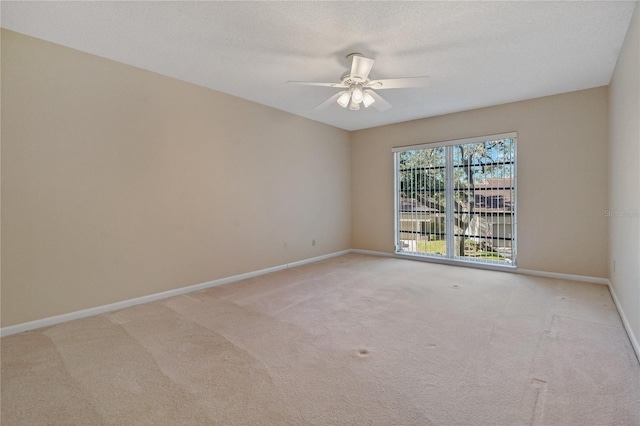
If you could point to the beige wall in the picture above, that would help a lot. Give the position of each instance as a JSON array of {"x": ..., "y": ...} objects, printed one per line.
[
  {"x": 624, "y": 176},
  {"x": 562, "y": 177},
  {"x": 119, "y": 183}
]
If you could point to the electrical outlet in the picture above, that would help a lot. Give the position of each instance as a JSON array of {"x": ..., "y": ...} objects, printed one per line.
[
  {"x": 285, "y": 246},
  {"x": 313, "y": 243},
  {"x": 614, "y": 266}
]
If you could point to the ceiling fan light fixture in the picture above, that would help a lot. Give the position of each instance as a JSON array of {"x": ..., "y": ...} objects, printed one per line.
[
  {"x": 357, "y": 95},
  {"x": 343, "y": 99},
  {"x": 354, "y": 106},
  {"x": 367, "y": 100}
]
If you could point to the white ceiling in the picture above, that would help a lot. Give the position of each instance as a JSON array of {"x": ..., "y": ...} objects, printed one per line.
[{"x": 476, "y": 53}]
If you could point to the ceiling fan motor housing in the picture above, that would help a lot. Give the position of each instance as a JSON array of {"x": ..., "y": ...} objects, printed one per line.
[{"x": 347, "y": 80}]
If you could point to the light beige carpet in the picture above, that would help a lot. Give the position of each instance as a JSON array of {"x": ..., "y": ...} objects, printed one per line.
[{"x": 354, "y": 340}]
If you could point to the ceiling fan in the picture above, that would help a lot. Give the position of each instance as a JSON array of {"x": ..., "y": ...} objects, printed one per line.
[{"x": 360, "y": 88}]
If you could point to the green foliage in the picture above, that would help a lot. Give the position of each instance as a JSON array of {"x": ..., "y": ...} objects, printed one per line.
[
  {"x": 431, "y": 247},
  {"x": 470, "y": 249},
  {"x": 422, "y": 172}
]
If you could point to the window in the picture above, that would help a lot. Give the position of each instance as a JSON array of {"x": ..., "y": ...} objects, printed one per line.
[{"x": 457, "y": 200}]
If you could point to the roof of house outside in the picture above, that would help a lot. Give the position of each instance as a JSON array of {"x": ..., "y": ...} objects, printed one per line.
[{"x": 492, "y": 196}]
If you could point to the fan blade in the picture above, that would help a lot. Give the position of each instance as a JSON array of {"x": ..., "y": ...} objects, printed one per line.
[
  {"x": 399, "y": 83},
  {"x": 380, "y": 104},
  {"x": 313, "y": 83},
  {"x": 361, "y": 67},
  {"x": 329, "y": 101}
]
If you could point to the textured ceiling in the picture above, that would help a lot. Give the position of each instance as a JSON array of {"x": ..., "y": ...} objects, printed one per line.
[{"x": 476, "y": 53}]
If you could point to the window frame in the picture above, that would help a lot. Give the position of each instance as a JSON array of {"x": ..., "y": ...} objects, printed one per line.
[{"x": 449, "y": 211}]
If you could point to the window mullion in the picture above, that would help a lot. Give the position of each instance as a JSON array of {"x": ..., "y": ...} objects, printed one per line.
[
  {"x": 396, "y": 203},
  {"x": 449, "y": 204}
]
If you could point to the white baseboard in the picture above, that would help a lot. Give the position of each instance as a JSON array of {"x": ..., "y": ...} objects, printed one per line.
[
  {"x": 316, "y": 259},
  {"x": 625, "y": 323},
  {"x": 559, "y": 276},
  {"x": 46, "y": 322},
  {"x": 372, "y": 253}
]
